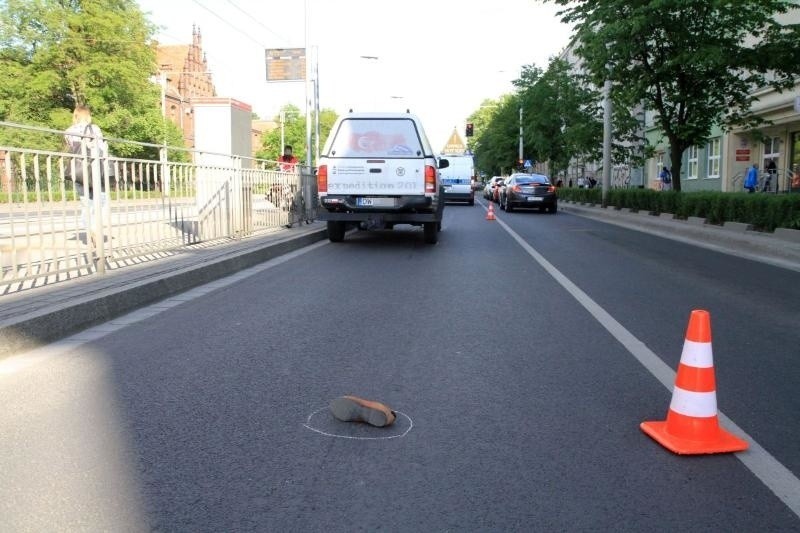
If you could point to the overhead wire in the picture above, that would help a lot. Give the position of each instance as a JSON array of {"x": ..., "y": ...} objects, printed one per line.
[
  {"x": 231, "y": 25},
  {"x": 254, "y": 19}
]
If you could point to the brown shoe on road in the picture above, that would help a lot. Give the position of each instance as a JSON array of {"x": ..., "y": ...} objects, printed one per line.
[{"x": 355, "y": 409}]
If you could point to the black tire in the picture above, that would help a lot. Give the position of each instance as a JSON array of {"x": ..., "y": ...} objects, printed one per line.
[
  {"x": 500, "y": 203},
  {"x": 552, "y": 209},
  {"x": 509, "y": 205},
  {"x": 431, "y": 232},
  {"x": 472, "y": 202},
  {"x": 336, "y": 230}
]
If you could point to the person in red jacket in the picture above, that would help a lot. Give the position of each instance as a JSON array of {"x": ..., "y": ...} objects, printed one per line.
[{"x": 288, "y": 161}]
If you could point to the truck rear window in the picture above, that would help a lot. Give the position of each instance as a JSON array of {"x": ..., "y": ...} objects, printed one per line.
[{"x": 384, "y": 138}]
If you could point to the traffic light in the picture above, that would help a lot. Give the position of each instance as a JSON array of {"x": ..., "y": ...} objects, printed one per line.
[{"x": 470, "y": 129}]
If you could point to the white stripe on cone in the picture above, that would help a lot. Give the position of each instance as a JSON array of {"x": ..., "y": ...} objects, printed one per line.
[
  {"x": 697, "y": 404},
  {"x": 697, "y": 354}
]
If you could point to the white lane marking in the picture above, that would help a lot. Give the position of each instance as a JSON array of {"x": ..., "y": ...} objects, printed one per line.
[
  {"x": 308, "y": 425},
  {"x": 16, "y": 363},
  {"x": 779, "y": 479}
]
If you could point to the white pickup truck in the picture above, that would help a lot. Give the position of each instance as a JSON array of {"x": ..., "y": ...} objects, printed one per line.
[{"x": 378, "y": 170}]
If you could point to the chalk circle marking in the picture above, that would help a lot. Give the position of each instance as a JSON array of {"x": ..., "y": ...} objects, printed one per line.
[{"x": 351, "y": 437}]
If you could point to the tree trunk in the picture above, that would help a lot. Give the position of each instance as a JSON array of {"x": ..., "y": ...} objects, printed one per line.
[{"x": 676, "y": 150}]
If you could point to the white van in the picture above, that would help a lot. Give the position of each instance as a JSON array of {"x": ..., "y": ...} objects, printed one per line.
[
  {"x": 457, "y": 179},
  {"x": 378, "y": 170}
]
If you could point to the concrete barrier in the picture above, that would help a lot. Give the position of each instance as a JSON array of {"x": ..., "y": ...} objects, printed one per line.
[
  {"x": 787, "y": 234},
  {"x": 738, "y": 227}
]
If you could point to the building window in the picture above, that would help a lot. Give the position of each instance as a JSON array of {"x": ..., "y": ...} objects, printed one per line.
[
  {"x": 714, "y": 156},
  {"x": 693, "y": 163}
]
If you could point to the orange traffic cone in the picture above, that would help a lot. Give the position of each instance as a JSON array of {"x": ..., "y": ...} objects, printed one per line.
[
  {"x": 692, "y": 426},
  {"x": 490, "y": 214}
]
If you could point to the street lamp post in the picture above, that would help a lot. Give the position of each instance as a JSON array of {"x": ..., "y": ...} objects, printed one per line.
[
  {"x": 374, "y": 91},
  {"x": 607, "y": 132},
  {"x": 520, "y": 136},
  {"x": 607, "y": 127}
]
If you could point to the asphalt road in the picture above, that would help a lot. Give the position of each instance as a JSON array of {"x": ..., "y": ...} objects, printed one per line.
[{"x": 499, "y": 347}]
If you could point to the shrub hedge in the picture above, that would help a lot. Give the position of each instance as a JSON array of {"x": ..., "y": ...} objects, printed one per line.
[{"x": 764, "y": 211}]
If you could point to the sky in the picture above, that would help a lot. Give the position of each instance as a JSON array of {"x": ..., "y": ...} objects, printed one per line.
[{"x": 438, "y": 58}]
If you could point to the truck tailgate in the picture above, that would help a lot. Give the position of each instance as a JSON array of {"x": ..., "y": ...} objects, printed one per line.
[{"x": 378, "y": 177}]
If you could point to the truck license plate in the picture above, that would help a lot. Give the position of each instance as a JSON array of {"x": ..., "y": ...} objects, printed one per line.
[{"x": 375, "y": 202}]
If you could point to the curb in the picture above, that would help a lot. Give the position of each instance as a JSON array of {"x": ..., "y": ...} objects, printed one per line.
[{"x": 41, "y": 327}]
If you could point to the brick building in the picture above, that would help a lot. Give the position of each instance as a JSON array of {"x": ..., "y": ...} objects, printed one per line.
[{"x": 184, "y": 75}]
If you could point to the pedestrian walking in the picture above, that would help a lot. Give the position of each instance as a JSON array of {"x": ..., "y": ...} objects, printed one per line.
[
  {"x": 86, "y": 138},
  {"x": 751, "y": 178},
  {"x": 665, "y": 176},
  {"x": 772, "y": 171}
]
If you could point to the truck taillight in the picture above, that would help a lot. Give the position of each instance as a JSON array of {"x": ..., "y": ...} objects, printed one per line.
[
  {"x": 322, "y": 178},
  {"x": 430, "y": 179}
]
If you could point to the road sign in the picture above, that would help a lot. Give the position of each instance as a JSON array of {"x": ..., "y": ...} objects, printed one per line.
[{"x": 528, "y": 163}]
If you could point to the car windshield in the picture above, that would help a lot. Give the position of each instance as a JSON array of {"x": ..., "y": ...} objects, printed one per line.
[
  {"x": 533, "y": 180},
  {"x": 381, "y": 137}
]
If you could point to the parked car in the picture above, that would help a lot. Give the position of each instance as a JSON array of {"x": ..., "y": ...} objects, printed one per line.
[
  {"x": 530, "y": 191},
  {"x": 488, "y": 190},
  {"x": 496, "y": 190}
]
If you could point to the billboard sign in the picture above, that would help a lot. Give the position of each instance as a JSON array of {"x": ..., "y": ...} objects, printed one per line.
[{"x": 286, "y": 64}]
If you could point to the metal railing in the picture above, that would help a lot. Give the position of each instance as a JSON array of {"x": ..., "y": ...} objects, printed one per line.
[
  {"x": 780, "y": 181},
  {"x": 147, "y": 209}
]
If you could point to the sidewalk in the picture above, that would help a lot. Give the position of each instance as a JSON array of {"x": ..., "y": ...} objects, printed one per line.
[
  {"x": 780, "y": 249},
  {"x": 34, "y": 317}
]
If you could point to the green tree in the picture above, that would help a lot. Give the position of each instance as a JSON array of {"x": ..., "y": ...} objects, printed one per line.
[
  {"x": 561, "y": 116},
  {"x": 696, "y": 64},
  {"x": 59, "y": 53},
  {"x": 495, "y": 142},
  {"x": 294, "y": 133}
]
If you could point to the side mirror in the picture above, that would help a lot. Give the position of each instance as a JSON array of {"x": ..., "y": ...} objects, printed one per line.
[{"x": 444, "y": 163}]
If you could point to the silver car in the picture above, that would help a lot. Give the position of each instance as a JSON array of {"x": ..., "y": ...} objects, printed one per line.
[{"x": 488, "y": 190}]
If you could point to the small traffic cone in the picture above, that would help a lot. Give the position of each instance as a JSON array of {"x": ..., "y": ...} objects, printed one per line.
[
  {"x": 692, "y": 426},
  {"x": 490, "y": 214}
]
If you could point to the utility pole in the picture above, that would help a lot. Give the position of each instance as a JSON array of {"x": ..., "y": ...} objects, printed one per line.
[
  {"x": 308, "y": 77},
  {"x": 283, "y": 137}
]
